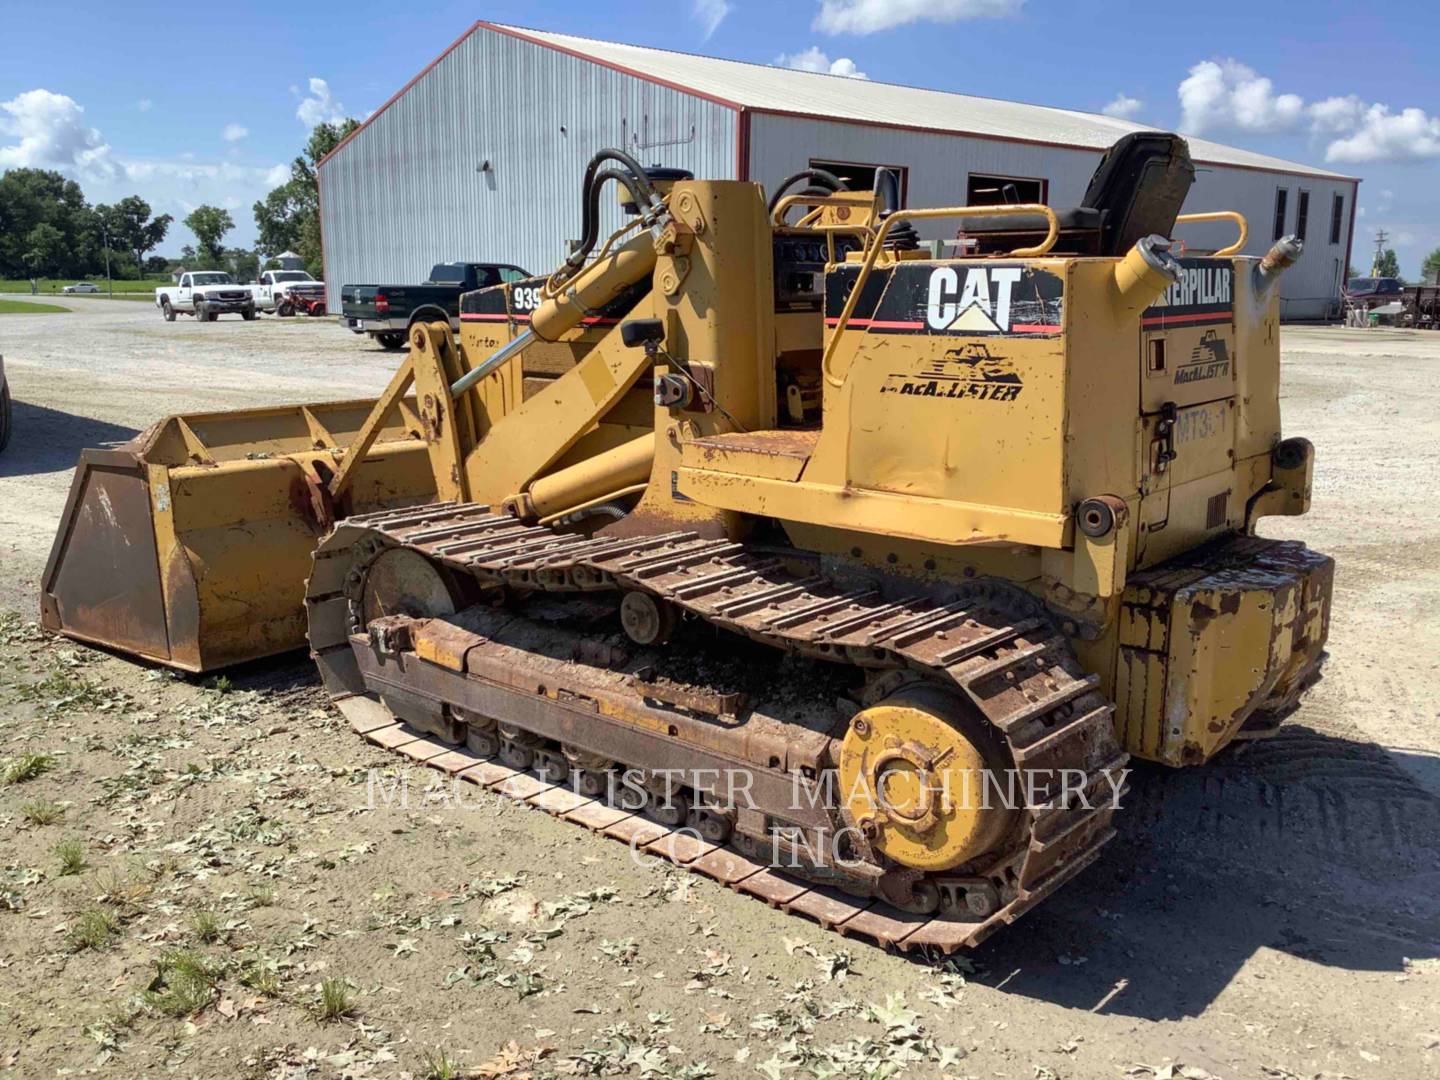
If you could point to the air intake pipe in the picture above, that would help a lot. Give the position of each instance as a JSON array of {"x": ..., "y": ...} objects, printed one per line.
[
  {"x": 1283, "y": 255},
  {"x": 1142, "y": 276}
]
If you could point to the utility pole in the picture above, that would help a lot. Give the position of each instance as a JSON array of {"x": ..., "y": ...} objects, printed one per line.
[
  {"x": 109, "y": 283},
  {"x": 1380, "y": 237}
]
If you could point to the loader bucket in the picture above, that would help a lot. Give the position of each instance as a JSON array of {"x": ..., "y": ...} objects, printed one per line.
[{"x": 190, "y": 544}]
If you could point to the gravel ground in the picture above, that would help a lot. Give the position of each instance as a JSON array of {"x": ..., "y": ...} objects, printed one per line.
[{"x": 193, "y": 867}]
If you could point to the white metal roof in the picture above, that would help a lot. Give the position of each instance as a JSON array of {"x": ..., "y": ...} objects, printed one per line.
[{"x": 775, "y": 89}]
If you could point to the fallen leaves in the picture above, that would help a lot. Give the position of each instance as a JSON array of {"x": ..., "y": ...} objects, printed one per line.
[{"x": 513, "y": 1060}]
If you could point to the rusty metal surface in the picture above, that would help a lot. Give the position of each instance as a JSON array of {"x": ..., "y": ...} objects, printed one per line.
[
  {"x": 102, "y": 583},
  {"x": 1020, "y": 675}
]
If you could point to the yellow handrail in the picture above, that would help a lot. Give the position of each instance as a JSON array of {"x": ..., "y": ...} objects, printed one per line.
[
  {"x": 1222, "y": 215},
  {"x": 816, "y": 202},
  {"x": 873, "y": 252}
]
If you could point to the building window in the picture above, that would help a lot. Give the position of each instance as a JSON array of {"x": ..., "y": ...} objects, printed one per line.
[
  {"x": 861, "y": 177},
  {"x": 1001, "y": 190},
  {"x": 1282, "y": 196},
  {"x": 1302, "y": 215},
  {"x": 1337, "y": 218}
]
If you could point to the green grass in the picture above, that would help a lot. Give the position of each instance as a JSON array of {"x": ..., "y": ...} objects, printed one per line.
[
  {"x": 92, "y": 929},
  {"x": 440, "y": 1066},
  {"x": 51, "y": 286},
  {"x": 28, "y": 767},
  {"x": 334, "y": 1000},
  {"x": 207, "y": 927},
  {"x": 42, "y": 812},
  {"x": 24, "y": 307},
  {"x": 184, "y": 983},
  {"x": 71, "y": 854}
]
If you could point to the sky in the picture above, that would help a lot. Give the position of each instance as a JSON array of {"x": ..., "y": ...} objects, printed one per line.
[{"x": 211, "y": 107}]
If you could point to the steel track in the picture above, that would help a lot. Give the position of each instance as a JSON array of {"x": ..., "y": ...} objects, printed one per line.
[{"x": 1018, "y": 673}]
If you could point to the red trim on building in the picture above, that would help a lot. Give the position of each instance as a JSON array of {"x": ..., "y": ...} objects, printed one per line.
[
  {"x": 745, "y": 111},
  {"x": 687, "y": 90},
  {"x": 324, "y": 262},
  {"x": 398, "y": 93},
  {"x": 1019, "y": 139},
  {"x": 742, "y": 148}
]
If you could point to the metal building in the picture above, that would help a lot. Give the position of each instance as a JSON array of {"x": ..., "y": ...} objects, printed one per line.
[{"x": 479, "y": 157}]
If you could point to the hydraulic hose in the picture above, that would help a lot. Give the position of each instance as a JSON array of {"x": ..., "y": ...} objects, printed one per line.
[
  {"x": 631, "y": 174},
  {"x": 824, "y": 183}
]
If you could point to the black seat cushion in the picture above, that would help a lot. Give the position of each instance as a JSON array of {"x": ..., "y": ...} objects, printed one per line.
[
  {"x": 1072, "y": 220},
  {"x": 1137, "y": 189}
]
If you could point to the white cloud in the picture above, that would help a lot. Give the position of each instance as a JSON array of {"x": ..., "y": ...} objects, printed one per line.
[
  {"x": 1409, "y": 135},
  {"x": 144, "y": 104},
  {"x": 1123, "y": 108},
  {"x": 710, "y": 14},
  {"x": 1336, "y": 114},
  {"x": 52, "y": 134},
  {"x": 1228, "y": 95},
  {"x": 813, "y": 59},
  {"x": 49, "y": 132},
  {"x": 320, "y": 107},
  {"x": 872, "y": 16},
  {"x": 234, "y": 132},
  {"x": 1231, "y": 95}
]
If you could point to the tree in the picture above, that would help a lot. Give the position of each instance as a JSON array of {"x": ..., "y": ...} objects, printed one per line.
[
  {"x": 1430, "y": 268},
  {"x": 1388, "y": 264},
  {"x": 242, "y": 263},
  {"x": 33, "y": 197},
  {"x": 44, "y": 250},
  {"x": 157, "y": 264},
  {"x": 289, "y": 217},
  {"x": 130, "y": 227},
  {"x": 210, "y": 224}
]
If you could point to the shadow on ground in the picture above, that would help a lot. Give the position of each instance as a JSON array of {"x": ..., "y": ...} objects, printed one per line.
[
  {"x": 1308, "y": 844},
  {"x": 46, "y": 440}
]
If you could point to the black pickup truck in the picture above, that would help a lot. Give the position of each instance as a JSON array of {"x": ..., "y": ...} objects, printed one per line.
[{"x": 385, "y": 312}]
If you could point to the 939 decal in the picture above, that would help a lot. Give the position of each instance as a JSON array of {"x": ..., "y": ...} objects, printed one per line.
[{"x": 525, "y": 298}]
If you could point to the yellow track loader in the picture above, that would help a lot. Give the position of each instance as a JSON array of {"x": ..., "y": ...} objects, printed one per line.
[{"x": 770, "y": 539}]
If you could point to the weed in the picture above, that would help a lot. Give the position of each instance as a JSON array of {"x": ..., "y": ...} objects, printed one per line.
[
  {"x": 334, "y": 1000},
  {"x": 261, "y": 976},
  {"x": 42, "y": 811},
  {"x": 222, "y": 684},
  {"x": 184, "y": 983},
  {"x": 14, "y": 629},
  {"x": 71, "y": 854},
  {"x": 261, "y": 896},
  {"x": 440, "y": 1066},
  {"x": 119, "y": 891},
  {"x": 61, "y": 691},
  {"x": 27, "y": 767},
  {"x": 207, "y": 927},
  {"x": 92, "y": 929}
]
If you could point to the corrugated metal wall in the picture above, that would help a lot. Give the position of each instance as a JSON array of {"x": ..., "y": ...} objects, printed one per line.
[
  {"x": 408, "y": 191},
  {"x": 939, "y": 166}
]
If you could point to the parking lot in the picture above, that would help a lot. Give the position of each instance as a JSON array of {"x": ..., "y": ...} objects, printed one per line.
[{"x": 1273, "y": 915}]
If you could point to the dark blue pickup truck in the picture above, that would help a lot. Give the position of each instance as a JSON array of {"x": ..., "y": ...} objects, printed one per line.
[{"x": 385, "y": 312}]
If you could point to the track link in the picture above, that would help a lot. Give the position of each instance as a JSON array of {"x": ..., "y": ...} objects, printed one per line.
[{"x": 1018, "y": 673}]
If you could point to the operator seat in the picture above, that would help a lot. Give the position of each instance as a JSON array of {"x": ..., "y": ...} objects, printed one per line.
[{"x": 1138, "y": 189}]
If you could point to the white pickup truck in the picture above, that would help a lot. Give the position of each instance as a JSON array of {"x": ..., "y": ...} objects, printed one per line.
[
  {"x": 206, "y": 294},
  {"x": 286, "y": 292}
]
